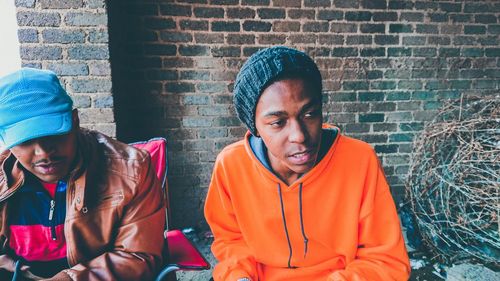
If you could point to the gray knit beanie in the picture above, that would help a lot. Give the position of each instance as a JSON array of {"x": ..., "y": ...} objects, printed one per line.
[{"x": 262, "y": 69}]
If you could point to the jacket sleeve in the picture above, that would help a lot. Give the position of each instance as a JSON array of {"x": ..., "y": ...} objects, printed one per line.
[
  {"x": 137, "y": 250},
  {"x": 229, "y": 247},
  {"x": 381, "y": 254}
]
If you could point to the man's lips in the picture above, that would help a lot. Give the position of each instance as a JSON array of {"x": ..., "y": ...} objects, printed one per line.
[
  {"x": 302, "y": 157},
  {"x": 49, "y": 167}
]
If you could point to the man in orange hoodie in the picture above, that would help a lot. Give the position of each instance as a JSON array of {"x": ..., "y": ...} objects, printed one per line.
[{"x": 296, "y": 199}]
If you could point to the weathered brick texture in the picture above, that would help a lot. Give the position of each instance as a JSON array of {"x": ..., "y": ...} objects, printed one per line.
[
  {"x": 70, "y": 37},
  {"x": 387, "y": 65}
]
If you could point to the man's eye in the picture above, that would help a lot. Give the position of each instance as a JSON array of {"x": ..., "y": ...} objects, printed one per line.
[
  {"x": 312, "y": 113},
  {"x": 277, "y": 123}
]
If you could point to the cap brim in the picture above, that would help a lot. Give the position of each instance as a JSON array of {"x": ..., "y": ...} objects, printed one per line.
[{"x": 36, "y": 127}]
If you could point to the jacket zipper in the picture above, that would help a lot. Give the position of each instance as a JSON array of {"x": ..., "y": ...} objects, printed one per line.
[{"x": 51, "y": 219}]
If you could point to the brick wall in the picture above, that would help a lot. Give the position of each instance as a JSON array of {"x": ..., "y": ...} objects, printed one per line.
[
  {"x": 387, "y": 67},
  {"x": 70, "y": 37}
]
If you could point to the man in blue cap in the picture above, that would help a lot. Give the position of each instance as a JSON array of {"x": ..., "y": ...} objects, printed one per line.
[{"x": 74, "y": 203}]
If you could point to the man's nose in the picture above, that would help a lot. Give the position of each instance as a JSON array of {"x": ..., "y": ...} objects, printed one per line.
[
  {"x": 297, "y": 133},
  {"x": 44, "y": 146}
]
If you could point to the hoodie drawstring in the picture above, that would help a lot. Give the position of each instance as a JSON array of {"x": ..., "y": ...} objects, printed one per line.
[
  {"x": 306, "y": 240},
  {"x": 302, "y": 221},
  {"x": 286, "y": 228}
]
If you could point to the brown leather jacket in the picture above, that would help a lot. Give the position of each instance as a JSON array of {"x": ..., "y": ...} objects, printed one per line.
[{"x": 115, "y": 211}]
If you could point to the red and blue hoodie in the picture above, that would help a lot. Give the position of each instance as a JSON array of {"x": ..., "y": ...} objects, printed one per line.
[{"x": 36, "y": 220}]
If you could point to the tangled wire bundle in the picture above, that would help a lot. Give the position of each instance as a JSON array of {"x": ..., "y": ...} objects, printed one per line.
[{"x": 454, "y": 182}]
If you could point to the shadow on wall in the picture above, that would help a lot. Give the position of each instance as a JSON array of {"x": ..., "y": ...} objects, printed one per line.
[{"x": 138, "y": 105}]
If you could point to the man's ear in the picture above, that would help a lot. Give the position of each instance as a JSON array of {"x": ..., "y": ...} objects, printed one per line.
[{"x": 75, "y": 119}]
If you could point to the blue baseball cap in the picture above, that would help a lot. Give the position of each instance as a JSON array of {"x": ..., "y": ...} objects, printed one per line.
[{"x": 33, "y": 104}]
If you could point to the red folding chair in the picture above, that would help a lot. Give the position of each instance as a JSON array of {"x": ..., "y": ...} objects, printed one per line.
[{"x": 181, "y": 253}]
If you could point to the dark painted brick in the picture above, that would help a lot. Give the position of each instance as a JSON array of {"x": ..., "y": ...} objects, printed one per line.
[
  {"x": 472, "y": 52},
  {"x": 409, "y": 85},
  {"x": 357, "y": 128},
  {"x": 395, "y": 96},
  {"x": 170, "y": 36},
  {"x": 343, "y": 96},
  {"x": 373, "y": 52},
  {"x": 409, "y": 16},
  {"x": 474, "y": 29},
  {"x": 439, "y": 40},
  {"x": 400, "y": 28},
  {"x": 251, "y": 25},
  {"x": 427, "y": 28},
  {"x": 224, "y": 2},
  {"x": 398, "y": 52},
  {"x": 358, "y": 16},
  {"x": 63, "y": 36},
  {"x": 407, "y": 137},
  {"x": 187, "y": 50},
  {"x": 449, "y": 52},
  {"x": 456, "y": 18},
  {"x": 344, "y": 52},
  {"x": 414, "y": 40},
  {"x": 69, "y": 69},
  {"x": 240, "y": 39},
  {"x": 344, "y": 28},
  {"x": 476, "y": 7},
  {"x": 287, "y": 3},
  {"x": 438, "y": 17},
  {"x": 359, "y": 40},
  {"x": 372, "y": 28},
  {"x": 226, "y": 51},
  {"x": 27, "y": 35},
  {"x": 28, "y": 18},
  {"x": 386, "y": 39},
  {"x": 315, "y": 27},
  {"x": 383, "y": 85},
  {"x": 383, "y": 106},
  {"x": 302, "y": 14},
  {"x": 286, "y": 26},
  {"x": 450, "y": 7},
  {"x": 384, "y": 127},
  {"x": 386, "y": 148},
  {"x": 85, "y": 19},
  {"x": 179, "y": 87},
  {"x": 240, "y": 13},
  {"x": 88, "y": 52},
  {"x": 194, "y": 24},
  {"x": 270, "y": 39},
  {"x": 371, "y": 96},
  {"x": 385, "y": 16},
  {"x": 346, "y": 3},
  {"x": 424, "y": 52},
  {"x": 255, "y": 2},
  {"x": 25, "y": 3},
  {"x": 209, "y": 38},
  {"x": 269, "y": 13},
  {"x": 230, "y": 26},
  {"x": 60, "y": 4},
  {"x": 209, "y": 12},
  {"x": 355, "y": 85},
  {"x": 494, "y": 29},
  {"x": 485, "y": 19},
  {"x": 492, "y": 52},
  {"x": 426, "y": 5},
  {"x": 401, "y": 5},
  {"x": 371, "y": 117},
  {"x": 175, "y": 10},
  {"x": 330, "y": 15},
  {"x": 317, "y": 3},
  {"x": 374, "y": 4}
]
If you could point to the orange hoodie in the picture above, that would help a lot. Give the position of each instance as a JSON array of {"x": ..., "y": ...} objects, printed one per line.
[{"x": 336, "y": 222}]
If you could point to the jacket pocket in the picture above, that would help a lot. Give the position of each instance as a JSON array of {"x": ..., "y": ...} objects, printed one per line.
[{"x": 109, "y": 200}]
